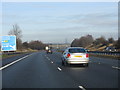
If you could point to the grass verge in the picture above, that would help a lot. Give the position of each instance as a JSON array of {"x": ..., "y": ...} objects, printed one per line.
[
  {"x": 3, "y": 56},
  {"x": 104, "y": 56}
]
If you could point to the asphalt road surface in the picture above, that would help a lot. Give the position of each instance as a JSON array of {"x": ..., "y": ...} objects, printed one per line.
[{"x": 41, "y": 70}]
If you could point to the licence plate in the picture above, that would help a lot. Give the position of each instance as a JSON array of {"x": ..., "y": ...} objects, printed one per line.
[{"x": 77, "y": 56}]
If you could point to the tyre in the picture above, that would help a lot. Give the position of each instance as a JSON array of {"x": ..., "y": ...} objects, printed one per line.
[
  {"x": 65, "y": 63},
  {"x": 62, "y": 63},
  {"x": 86, "y": 65}
]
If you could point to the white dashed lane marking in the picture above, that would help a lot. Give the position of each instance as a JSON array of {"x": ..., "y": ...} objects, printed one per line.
[
  {"x": 48, "y": 58},
  {"x": 59, "y": 69},
  {"x": 99, "y": 63},
  {"x": 51, "y": 61},
  {"x": 81, "y": 87},
  {"x": 115, "y": 67}
]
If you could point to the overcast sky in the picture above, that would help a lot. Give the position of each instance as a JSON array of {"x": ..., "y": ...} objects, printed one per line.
[{"x": 53, "y": 22}]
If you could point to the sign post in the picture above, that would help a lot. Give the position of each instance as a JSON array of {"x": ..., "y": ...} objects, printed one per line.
[{"x": 8, "y": 43}]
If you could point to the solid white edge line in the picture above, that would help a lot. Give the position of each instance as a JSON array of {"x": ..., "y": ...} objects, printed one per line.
[
  {"x": 59, "y": 69},
  {"x": 48, "y": 59},
  {"x": 81, "y": 87},
  {"x": 99, "y": 63},
  {"x": 118, "y": 68},
  {"x": 1, "y": 68},
  {"x": 51, "y": 61},
  {"x": 115, "y": 67}
]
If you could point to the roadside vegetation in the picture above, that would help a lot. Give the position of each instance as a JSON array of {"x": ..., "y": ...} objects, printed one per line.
[
  {"x": 98, "y": 44},
  {"x": 88, "y": 42},
  {"x": 116, "y": 57},
  {"x": 25, "y": 46},
  {"x": 22, "y": 47}
]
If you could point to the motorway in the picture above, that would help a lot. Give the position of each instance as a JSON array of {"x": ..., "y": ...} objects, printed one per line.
[{"x": 41, "y": 70}]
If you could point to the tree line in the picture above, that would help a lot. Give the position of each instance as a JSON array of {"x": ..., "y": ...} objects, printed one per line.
[
  {"x": 87, "y": 40},
  {"x": 34, "y": 45},
  {"x": 83, "y": 41}
]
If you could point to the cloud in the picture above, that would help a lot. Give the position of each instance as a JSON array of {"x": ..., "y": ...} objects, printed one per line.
[
  {"x": 60, "y": 36},
  {"x": 101, "y": 15},
  {"x": 94, "y": 20}
]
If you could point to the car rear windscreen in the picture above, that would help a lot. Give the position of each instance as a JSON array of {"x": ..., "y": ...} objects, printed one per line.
[{"x": 77, "y": 50}]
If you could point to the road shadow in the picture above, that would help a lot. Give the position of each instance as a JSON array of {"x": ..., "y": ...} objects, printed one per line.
[{"x": 76, "y": 66}]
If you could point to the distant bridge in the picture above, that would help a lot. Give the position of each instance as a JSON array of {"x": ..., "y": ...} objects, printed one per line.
[{"x": 59, "y": 45}]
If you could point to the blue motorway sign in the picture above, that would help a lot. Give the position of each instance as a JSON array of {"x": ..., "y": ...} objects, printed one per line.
[{"x": 8, "y": 43}]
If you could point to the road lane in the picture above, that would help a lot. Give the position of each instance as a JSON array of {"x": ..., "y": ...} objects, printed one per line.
[
  {"x": 108, "y": 61},
  {"x": 36, "y": 72},
  {"x": 43, "y": 70},
  {"x": 13, "y": 62},
  {"x": 99, "y": 72},
  {"x": 11, "y": 59}
]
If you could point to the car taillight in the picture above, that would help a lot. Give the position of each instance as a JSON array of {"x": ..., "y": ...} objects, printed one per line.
[
  {"x": 68, "y": 55},
  {"x": 87, "y": 55}
]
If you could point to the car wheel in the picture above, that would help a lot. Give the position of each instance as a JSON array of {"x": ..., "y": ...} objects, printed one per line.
[
  {"x": 86, "y": 64},
  {"x": 62, "y": 63},
  {"x": 65, "y": 63}
]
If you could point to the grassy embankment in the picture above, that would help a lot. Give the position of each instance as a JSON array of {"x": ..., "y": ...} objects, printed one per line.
[
  {"x": 18, "y": 52},
  {"x": 103, "y": 56},
  {"x": 106, "y": 56},
  {"x": 100, "y": 47}
]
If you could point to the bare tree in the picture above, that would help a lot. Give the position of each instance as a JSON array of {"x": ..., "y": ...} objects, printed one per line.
[
  {"x": 117, "y": 45},
  {"x": 36, "y": 45},
  {"x": 18, "y": 33},
  {"x": 111, "y": 40},
  {"x": 101, "y": 40},
  {"x": 75, "y": 43},
  {"x": 82, "y": 41},
  {"x": 25, "y": 45}
]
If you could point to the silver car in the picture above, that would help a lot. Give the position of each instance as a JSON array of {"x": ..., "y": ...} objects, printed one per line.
[{"x": 75, "y": 55}]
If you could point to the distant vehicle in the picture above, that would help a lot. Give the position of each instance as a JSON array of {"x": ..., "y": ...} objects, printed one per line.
[
  {"x": 110, "y": 49},
  {"x": 75, "y": 55},
  {"x": 87, "y": 50},
  {"x": 46, "y": 48},
  {"x": 49, "y": 51}
]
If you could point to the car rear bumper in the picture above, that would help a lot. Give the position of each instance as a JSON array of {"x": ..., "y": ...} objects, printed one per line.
[{"x": 77, "y": 62}]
